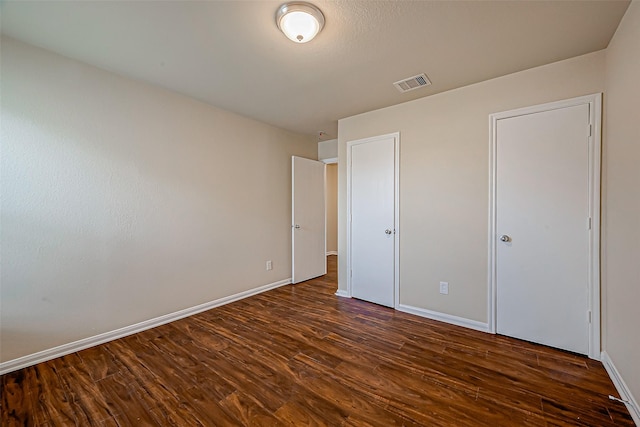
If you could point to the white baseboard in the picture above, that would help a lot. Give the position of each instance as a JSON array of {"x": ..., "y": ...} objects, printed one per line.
[
  {"x": 443, "y": 317},
  {"x": 72, "y": 347},
  {"x": 622, "y": 388},
  {"x": 343, "y": 294},
  {"x": 332, "y": 253}
]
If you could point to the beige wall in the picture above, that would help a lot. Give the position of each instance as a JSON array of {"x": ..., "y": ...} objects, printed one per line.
[
  {"x": 122, "y": 202},
  {"x": 332, "y": 207},
  {"x": 444, "y": 178},
  {"x": 621, "y": 200}
]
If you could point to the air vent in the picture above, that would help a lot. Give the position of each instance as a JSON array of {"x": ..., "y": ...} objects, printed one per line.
[{"x": 412, "y": 83}]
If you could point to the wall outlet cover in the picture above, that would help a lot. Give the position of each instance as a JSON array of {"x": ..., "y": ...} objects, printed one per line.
[{"x": 444, "y": 288}]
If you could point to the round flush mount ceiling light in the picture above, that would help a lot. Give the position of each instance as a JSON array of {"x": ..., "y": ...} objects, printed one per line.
[{"x": 299, "y": 21}]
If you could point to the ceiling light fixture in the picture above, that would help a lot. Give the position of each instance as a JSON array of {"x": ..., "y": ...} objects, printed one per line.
[{"x": 299, "y": 21}]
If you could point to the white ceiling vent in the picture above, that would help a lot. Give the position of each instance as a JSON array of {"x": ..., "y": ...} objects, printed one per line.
[{"x": 412, "y": 83}]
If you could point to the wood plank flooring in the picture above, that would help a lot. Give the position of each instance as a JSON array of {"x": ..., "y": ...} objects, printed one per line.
[{"x": 299, "y": 355}]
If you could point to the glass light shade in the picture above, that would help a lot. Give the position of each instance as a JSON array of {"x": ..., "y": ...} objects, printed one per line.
[{"x": 300, "y": 22}]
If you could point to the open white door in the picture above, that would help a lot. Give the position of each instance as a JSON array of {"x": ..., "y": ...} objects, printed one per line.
[{"x": 308, "y": 232}]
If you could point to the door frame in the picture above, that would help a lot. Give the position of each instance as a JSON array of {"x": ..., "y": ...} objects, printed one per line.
[
  {"x": 595, "y": 143},
  {"x": 396, "y": 210}
]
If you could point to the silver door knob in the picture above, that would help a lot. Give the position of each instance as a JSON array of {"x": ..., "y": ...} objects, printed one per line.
[
  {"x": 387, "y": 231},
  {"x": 296, "y": 226},
  {"x": 505, "y": 238}
]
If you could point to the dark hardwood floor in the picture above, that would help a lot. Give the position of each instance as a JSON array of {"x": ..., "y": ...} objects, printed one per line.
[{"x": 299, "y": 355}]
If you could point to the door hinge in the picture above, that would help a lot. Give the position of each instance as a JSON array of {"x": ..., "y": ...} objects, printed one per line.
[
  {"x": 350, "y": 273},
  {"x": 590, "y": 130},
  {"x": 589, "y": 223},
  {"x": 589, "y": 316}
]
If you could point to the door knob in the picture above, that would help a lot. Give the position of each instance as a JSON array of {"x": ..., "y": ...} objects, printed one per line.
[
  {"x": 505, "y": 238},
  {"x": 296, "y": 226},
  {"x": 387, "y": 231}
]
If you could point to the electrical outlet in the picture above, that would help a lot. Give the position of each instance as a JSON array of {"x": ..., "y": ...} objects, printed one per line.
[
  {"x": 269, "y": 265},
  {"x": 444, "y": 288}
]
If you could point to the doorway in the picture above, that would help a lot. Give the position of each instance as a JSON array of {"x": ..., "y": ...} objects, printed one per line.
[
  {"x": 372, "y": 219},
  {"x": 332, "y": 206},
  {"x": 544, "y": 225}
]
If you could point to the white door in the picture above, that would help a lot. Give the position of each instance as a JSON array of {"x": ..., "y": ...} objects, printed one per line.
[
  {"x": 542, "y": 227},
  {"x": 372, "y": 194},
  {"x": 308, "y": 220}
]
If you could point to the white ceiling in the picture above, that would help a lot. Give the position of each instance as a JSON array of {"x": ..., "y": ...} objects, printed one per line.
[{"x": 230, "y": 53}]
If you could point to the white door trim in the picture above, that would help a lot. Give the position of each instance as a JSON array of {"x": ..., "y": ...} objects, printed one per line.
[
  {"x": 396, "y": 220},
  {"x": 595, "y": 112}
]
